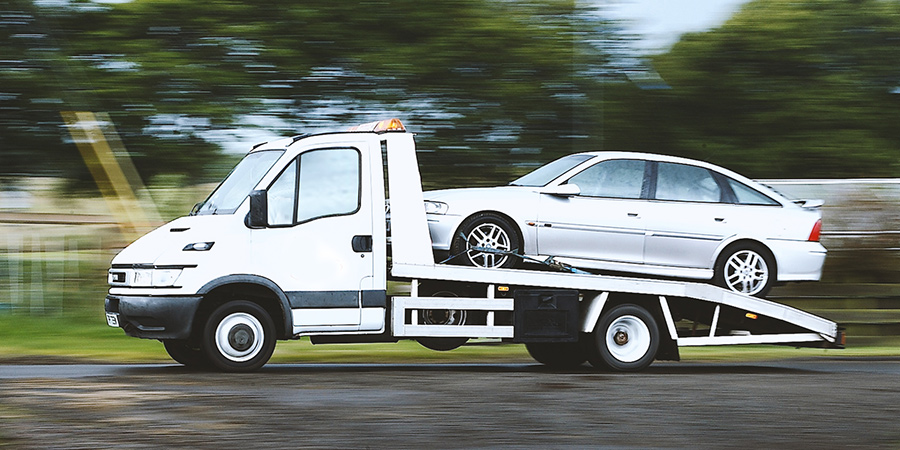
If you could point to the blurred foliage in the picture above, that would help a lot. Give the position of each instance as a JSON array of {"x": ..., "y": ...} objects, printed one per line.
[
  {"x": 478, "y": 79},
  {"x": 492, "y": 88},
  {"x": 785, "y": 89}
]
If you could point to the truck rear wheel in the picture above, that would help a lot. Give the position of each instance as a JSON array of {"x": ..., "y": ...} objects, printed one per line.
[
  {"x": 448, "y": 317},
  {"x": 239, "y": 336},
  {"x": 184, "y": 353},
  {"x": 557, "y": 355},
  {"x": 625, "y": 340}
]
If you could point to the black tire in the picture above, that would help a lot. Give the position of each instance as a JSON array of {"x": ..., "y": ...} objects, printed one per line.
[
  {"x": 558, "y": 355},
  {"x": 489, "y": 231},
  {"x": 441, "y": 317},
  {"x": 625, "y": 340},
  {"x": 186, "y": 354},
  {"x": 746, "y": 269},
  {"x": 239, "y": 336}
]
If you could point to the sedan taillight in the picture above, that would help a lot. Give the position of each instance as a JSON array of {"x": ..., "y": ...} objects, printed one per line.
[{"x": 816, "y": 231}]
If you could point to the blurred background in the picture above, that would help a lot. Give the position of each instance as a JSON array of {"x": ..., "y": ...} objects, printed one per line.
[{"x": 803, "y": 94}]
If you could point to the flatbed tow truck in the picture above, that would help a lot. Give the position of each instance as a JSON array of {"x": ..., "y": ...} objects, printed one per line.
[{"x": 293, "y": 243}]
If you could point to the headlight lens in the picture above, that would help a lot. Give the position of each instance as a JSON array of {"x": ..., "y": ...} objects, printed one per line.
[
  {"x": 155, "y": 277},
  {"x": 433, "y": 207}
]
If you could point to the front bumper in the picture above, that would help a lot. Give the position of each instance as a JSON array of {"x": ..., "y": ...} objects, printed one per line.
[
  {"x": 154, "y": 317},
  {"x": 441, "y": 227}
]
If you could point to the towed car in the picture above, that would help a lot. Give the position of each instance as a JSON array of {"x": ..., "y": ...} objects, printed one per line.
[{"x": 635, "y": 213}]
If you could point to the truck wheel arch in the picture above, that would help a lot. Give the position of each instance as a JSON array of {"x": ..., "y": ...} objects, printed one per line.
[{"x": 257, "y": 287}]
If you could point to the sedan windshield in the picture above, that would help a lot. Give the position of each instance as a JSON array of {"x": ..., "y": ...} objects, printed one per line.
[
  {"x": 550, "y": 171},
  {"x": 237, "y": 185}
]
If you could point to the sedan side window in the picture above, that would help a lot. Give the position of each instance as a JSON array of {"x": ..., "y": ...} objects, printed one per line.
[
  {"x": 685, "y": 183},
  {"x": 617, "y": 178}
]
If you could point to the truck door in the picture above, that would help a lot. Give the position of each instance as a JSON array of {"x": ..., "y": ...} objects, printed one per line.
[{"x": 318, "y": 243}]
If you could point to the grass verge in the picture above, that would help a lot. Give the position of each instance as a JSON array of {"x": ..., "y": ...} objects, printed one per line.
[{"x": 62, "y": 339}]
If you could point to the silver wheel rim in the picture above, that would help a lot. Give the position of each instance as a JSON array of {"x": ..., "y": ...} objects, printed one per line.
[
  {"x": 487, "y": 236},
  {"x": 747, "y": 272},
  {"x": 628, "y": 339},
  {"x": 239, "y": 337}
]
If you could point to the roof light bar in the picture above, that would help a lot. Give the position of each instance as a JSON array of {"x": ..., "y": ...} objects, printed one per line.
[{"x": 380, "y": 126}]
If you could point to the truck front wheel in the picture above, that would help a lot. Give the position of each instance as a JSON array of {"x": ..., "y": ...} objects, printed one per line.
[
  {"x": 239, "y": 336},
  {"x": 625, "y": 340}
]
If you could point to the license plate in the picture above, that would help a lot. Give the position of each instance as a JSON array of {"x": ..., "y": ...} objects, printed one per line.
[{"x": 112, "y": 319}]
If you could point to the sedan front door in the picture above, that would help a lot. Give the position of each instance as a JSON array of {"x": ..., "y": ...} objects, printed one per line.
[{"x": 604, "y": 222}]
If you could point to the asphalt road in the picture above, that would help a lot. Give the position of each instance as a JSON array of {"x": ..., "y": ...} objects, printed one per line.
[{"x": 812, "y": 403}]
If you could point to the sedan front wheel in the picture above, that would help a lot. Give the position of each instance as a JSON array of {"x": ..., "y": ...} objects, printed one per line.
[{"x": 487, "y": 240}]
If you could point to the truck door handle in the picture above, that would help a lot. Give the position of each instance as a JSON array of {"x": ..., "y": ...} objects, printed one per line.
[
  {"x": 720, "y": 219},
  {"x": 362, "y": 243},
  {"x": 632, "y": 214}
]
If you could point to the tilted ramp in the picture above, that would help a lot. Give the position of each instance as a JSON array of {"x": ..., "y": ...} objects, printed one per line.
[{"x": 413, "y": 259}]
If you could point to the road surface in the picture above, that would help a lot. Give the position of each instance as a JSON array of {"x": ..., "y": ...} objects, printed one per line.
[{"x": 808, "y": 403}]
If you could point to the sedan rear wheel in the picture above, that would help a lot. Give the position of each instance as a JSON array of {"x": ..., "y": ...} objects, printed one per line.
[{"x": 746, "y": 270}]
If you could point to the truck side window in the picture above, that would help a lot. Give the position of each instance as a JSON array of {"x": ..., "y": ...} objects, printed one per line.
[
  {"x": 329, "y": 183},
  {"x": 281, "y": 197}
]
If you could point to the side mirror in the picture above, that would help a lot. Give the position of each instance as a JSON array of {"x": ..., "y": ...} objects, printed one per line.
[
  {"x": 258, "y": 217},
  {"x": 562, "y": 190}
]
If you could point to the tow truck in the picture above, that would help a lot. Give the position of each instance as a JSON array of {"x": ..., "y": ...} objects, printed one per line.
[{"x": 294, "y": 243}]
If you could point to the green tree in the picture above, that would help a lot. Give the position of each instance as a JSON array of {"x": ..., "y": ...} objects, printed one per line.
[
  {"x": 783, "y": 89},
  {"x": 483, "y": 82}
]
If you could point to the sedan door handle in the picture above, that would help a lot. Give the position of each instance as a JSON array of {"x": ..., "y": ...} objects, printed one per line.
[
  {"x": 633, "y": 215},
  {"x": 720, "y": 219}
]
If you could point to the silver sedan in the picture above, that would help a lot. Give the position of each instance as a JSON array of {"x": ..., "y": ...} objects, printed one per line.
[{"x": 634, "y": 213}]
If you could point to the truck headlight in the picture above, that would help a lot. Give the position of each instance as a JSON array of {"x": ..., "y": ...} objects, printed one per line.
[
  {"x": 433, "y": 207},
  {"x": 155, "y": 277}
]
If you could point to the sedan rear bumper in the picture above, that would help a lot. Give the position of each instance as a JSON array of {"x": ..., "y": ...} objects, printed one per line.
[{"x": 798, "y": 260}]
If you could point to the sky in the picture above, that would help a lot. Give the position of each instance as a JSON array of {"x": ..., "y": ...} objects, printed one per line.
[{"x": 661, "y": 22}]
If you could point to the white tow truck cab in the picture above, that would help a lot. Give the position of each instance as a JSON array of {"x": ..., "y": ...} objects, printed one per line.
[{"x": 293, "y": 243}]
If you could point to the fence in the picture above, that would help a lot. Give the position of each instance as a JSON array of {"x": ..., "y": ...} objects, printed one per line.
[{"x": 53, "y": 263}]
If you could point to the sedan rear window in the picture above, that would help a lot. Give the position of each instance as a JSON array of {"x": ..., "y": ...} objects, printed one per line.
[{"x": 745, "y": 195}]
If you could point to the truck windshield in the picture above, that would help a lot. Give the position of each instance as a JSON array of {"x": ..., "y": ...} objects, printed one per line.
[
  {"x": 543, "y": 175},
  {"x": 237, "y": 185}
]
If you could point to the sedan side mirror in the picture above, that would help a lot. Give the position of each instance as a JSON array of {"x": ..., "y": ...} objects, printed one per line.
[
  {"x": 562, "y": 190},
  {"x": 258, "y": 217}
]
